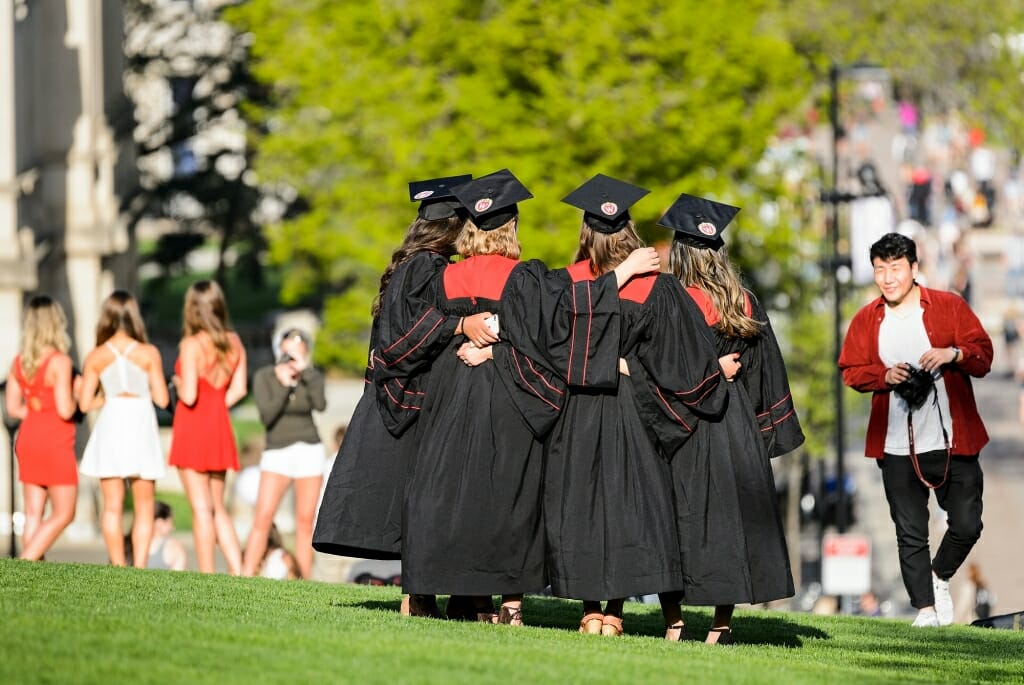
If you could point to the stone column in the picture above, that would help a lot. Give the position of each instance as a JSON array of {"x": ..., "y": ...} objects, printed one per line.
[{"x": 17, "y": 261}]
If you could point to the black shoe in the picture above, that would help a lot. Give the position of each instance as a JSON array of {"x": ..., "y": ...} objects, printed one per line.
[{"x": 724, "y": 636}]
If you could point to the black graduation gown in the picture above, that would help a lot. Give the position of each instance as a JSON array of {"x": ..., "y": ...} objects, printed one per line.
[
  {"x": 472, "y": 521},
  {"x": 608, "y": 508},
  {"x": 361, "y": 511},
  {"x": 730, "y": 532}
]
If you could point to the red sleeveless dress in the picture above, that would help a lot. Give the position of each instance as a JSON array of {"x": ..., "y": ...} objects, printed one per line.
[
  {"x": 201, "y": 436},
  {"x": 45, "y": 445}
]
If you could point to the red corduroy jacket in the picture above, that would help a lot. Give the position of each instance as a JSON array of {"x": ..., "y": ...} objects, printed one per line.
[{"x": 949, "y": 322}]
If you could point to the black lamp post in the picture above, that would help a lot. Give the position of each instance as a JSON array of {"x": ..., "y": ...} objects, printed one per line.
[
  {"x": 11, "y": 424},
  {"x": 839, "y": 263}
]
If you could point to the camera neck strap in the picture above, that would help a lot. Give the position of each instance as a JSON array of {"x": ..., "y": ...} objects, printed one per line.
[{"x": 945, "y": 437}]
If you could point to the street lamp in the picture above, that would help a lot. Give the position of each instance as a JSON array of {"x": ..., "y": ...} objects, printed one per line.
[{"x": 859, "y": 71}]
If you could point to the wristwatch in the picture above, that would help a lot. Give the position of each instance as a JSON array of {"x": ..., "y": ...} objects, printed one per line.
[{"x": 958, "y": 355}]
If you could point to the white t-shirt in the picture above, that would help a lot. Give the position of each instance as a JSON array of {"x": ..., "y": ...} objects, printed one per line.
[{"x": 902, "y": 338}]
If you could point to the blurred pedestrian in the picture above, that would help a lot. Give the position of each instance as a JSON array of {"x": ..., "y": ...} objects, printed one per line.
[
  {"x": 165, "y": 552},
  {"x": 276, "y": 562},
  {"x": 915, "y": 349},
  {"x": 286, "y": 394},
  {"x": 124, "y": 443},
  {"x": 41, "y": 395},
  {"x": 210, "y": 377}
]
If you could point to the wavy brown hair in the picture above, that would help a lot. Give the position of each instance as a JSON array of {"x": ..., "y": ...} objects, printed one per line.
[
  {"x": 120, "y": 312},
  {"x": 607, "y": 250},
  {"x": 43, "y": 325},
  {"x": 432, "y": 236},
  {"x": 712, "y": 272},
  {"x": 206, "y": 309},
  {"x": 473, "y": 241}
]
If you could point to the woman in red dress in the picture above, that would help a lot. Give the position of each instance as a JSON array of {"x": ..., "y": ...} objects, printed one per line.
[
  {"x": 210, "y": 378},
  {"x": 41, "y": 396}
]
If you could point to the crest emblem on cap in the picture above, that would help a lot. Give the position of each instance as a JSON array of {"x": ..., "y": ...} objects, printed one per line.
[
  {"x": 423, "y": 194},
  {"x": 610, "y": 208},
  {"x": 483, "y": 205},
  {"x": 707, "y": 228}
]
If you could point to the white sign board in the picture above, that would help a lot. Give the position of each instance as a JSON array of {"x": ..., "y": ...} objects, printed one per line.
[{"x": 845, "y": 564}]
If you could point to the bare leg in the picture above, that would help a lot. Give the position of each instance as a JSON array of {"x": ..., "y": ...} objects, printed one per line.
[
  {"x": 268, "y": 498},
  {"x": 674, "y": 625},
  {"x": 227, "y": 538},
  {"x": 35, "y": 505},
  {"x": 143, "y": 494},
  {"x": 110, "y": 519},
  {"x": 197, "y": 487},
  {"x": 62, "y": 499},
  {"x": 720, "y": 623},
  {"x": 307, "y": 491}
]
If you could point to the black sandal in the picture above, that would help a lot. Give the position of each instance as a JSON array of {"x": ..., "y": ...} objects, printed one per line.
[
  {"x": 681, "y": 627},
  {"x": 724, "y": 636}
]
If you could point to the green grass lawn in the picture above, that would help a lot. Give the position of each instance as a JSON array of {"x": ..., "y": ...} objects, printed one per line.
[{"x": 70, "y": 623}]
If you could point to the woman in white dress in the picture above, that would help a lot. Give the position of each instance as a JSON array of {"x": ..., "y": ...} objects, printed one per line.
[{"x": 124, "y": 443}]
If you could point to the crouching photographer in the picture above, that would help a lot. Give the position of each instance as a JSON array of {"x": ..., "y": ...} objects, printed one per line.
[{"x": 915, "y": 349}]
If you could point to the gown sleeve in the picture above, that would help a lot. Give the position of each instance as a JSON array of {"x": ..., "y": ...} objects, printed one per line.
[
  {"x": 411, "y": 332},
  {"x": 764, "y": 375},
  {"x": 572, "y": 329},
  {"x": 674, "y": 370},
  {"x": 536, "y": 392}
]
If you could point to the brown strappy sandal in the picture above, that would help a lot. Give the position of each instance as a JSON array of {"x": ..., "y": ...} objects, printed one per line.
[
  {"x": 611, "y": 625},
  {"x": 510, "y": 616},
  {"x": 592, "y": 623}
]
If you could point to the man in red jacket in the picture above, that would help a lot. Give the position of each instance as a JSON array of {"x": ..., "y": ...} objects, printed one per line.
[{"x": 933, "y": 443}]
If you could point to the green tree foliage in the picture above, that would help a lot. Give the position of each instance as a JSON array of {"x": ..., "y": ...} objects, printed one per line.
[{"x": 365, "y": 96}]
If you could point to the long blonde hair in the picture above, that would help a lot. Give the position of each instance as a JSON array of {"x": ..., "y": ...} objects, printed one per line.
[
  {"x": 607, "y": 250},
  {"x": 207, "y": 310},
  {"x": 120, "y": 312},
  {"x": 44, "y": 325},
  {"x": 502, "y": 240},
  {"x": 711, "y": 271}
]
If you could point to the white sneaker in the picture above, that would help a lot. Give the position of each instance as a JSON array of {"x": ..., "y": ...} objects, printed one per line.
[
  {"x": 926, "y": 618},
  {"x": 943, "y": 600}
]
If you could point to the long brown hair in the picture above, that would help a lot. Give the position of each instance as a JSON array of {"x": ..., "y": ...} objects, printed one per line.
[
  {"x": 473, "y": 241},
  {"x": 207, "y": 310},
  {"x": 711, "y": 271},
  {"x": 607, "y": 250},
  {"x": 120, "y": 312},
  {"x": 433, "y": 236},
  {"x": 44, "y": 325}
]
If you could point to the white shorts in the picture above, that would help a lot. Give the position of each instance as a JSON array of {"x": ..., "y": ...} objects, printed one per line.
[{"x": 298, "y": 460}]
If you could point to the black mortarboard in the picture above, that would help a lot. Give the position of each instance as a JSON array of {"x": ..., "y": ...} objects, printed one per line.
[
  {"x": 491, "y": 199},
  {"x": 435, "y": 196},
  {"x": 698, "y": 221},
  {"x": 605, "y": 202}
]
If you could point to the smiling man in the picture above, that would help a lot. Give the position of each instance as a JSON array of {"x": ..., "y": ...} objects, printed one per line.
[{"x": 924, "y": 428}]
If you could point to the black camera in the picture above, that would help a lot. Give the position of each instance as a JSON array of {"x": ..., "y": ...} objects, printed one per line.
[
  {"x": 285, "y": 358},
  {"x": 916, "y": 389}
]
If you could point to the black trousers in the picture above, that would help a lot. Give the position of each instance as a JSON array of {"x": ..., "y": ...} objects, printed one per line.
[{"x": 959, "y": 496}]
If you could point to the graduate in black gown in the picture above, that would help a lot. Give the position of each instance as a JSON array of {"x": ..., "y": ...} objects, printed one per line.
[
  {"x": 360, "y": 514},
  {"x": 473, "y": 521},
  {"x": 608, "y": 509},
  {"x": 731, "y": 534}
]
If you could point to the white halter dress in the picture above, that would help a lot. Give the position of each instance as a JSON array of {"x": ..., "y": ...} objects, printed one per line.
[{"x": 125, "y": 442}]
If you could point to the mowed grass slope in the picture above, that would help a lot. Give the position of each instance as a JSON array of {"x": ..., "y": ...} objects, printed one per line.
[{"x": 72, "y": 623}]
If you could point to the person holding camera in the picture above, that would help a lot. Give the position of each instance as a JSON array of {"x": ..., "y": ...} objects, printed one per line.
[
  {"x": 287, "y": 393},
  {"x": 916, "y": 349}
]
